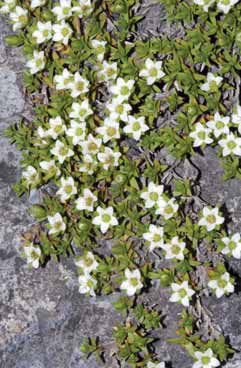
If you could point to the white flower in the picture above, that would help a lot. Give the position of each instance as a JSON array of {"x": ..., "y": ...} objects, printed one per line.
[
  {"x": 204, "y": 3},
  {"x": 99, "y": 47},
  {"x": 108, "y": 71},
  {"x": 231, "y": 145},
  {"x": 62, "y": 32},
  {"x": 79, "y": 85},
  {"x": 91, "y": 145},
  {"x": 110, "y": 130},
  {"x": 156, "y": 365},
  {"x": 109, "y": 158},
  {"x": 152, "y": 71},
  {"x": 81, "y": 110},
  {"x": 30, "y": 175},
  {"x": 236, "y": 117},
  {"x": 57, "y": 223},
  {"x": 19, "y": 17},
  {"x": 210, "y": 218},
  {"x": 226, "y": 5},
  {"x": 37, "y": 3},
  {"x": 61, "y": 151},
  {"x": 181, "y": 293},
  {"x": 205, "y": 359},
  {"x": 167, "y": 208},
  {"x": 122, "y": 89},
  {"x": 88, "y": 165},
  {"x": 174, "y": 249},
  {"x": 87, "y": 284},
  {"x": 42, "y": 134},
  {"x": 222, "y": 285},
  {"x": 64, "y": 80},
  {"x": 118, "y": 110},
  {"x": 201, "y": 135},
  {"x": 7, "y": 6},
  {"x": 63, "y": 10},
  {"x": 232, "y": 246},
  {"x": 37, "y": 63},
  {"x": 87, "y": 263},
  {"x": 33, "y": 254},
  {"x": 86, "y": 202},
  {"x": 132, "y": 282},
  {"x": 56, "y": 127},
  {"x": 83, "y": 8},
  {"x": 152, "y": 195},
  {"x": 67, "y": 188},
  {"x": 154, "y": 237},
  {"x": 43, "y": 32},
  {"x": 219, "y": 125},
  {"x": 212, "y": 83},
  {"x": 76, "y": 131},
  {"x": 50, "y": 167},
  {"x": 105, "y": 218},
  {"x": 135, "y": 127}
]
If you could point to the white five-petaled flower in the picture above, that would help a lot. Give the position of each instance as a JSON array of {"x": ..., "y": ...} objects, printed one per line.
[
  {"x": 156, "y": 365},
  {"x": 64, "y": 80},
  {"x": 122, "y": 89},
  {"x": 118, "y": 110},
  {"x": 232, "y": 246},
  {"x": 154, "y": 237},
  {"x": 132, "y": 282},
  {"x": 212, "y": 83},
  {"x": 136, "y": 126},
  {"x": 222, "y": 285},
  {"x": 67, "y": 188},
  {"x": 61, "y": 151},
  {"x": 219, "y": 125},
  {"x": 63, "y": 10},
  {"x": 56, "y": 223},
  {"x": 76, "y": 131},
  {"x": 87, "y": 284},
  {"x": 33, "y": 254},
  {"x": 91, "y": 145},
  {"x": 80, "y": 111},
  {"x": 50, "y": 167},
  {"x": 201, "y": 135},
  {"x": 166, "y": 208},
  {"x": 152, "y": 71},
  {"x": 205, "y": 359},
  {"x": 174, "y": 249},
  {"x": 43, "y": 32},
  {"x": 87, "y": 263},
  {"x": 83, "y": 8},
  {"x": 181, "y": 293},
  {"x": 230, "y": 145},
  {"x": 62, "y": 32},
  {"x": 88, "y": 164},
  {"x": 152, "y": 195},
  {"x": 236, "y": 117},
  {"x": 105, "y": 218},
  {"x": 7, "y": 6},
  {"x": 108, "y": 71},
  {"x": 37, "y": 63},
  {"x": 79, "y": 85},
  {"x": 210, "y": 218},
  {"x": 226, "y": 5},
  {"x": 56, "y": 127},
  {"x": 204, "y": 3},
  {"x": 109, "y": 158},
  {"x": 19, "y": 17},
  {"x": 37, "y": 3},
  {"x": 99, "y": 47},
  {"x": 86, "y": 201},
  {"x": 31, "y": 175},
  {"x": 110, "y": 130}
]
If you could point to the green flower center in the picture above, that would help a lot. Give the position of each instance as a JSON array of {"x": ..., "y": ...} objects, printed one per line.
[
  {"x": 219, "y": 125},
  {"x": 82, "y": 112},
  {"x": 232, "y": 245},
  {"x": 153, "y": 72},
  {"x": 124, "y": 90},
  {"x": 39, "y": 63},
  {"x": 175, "y": 249},
  {"x": 92, "y": 146},
  {"x": 119, "y": 109},
  {"x": 134, "y": 281},
  {"x": 58, "y": 225},
  {"x": 110, "y": 72},
  {"x": 205, "y": 360},
  {"x": 211, "y": 219},
  {"x": 153, "y": 196},
  {"x": 66, "y": 10},
  {"x": 68, "y": 189},
  {"x": 88, "y": 262},
  {"x": 168, "y": 209},
  {"x": 182, "y": 293},
  {"x": 136, "y": 126},
  {"x": 80, "y": 86},
  {"x": 231, "y": 145},
  {"x": 201, "y": 134},
  {"x": 88, "y": 201},
  {"x": 222, "y": 283},
  {"x": 45, "y": 33},
  {"x": 65, "y": 32},
  {"x": 58, "y": 128},
  {"x": 79, "y": 132},
  {"x": 63, "y": 151},
  {"x": 22, "y": 19},
  {"x": 106, "y": 218},
  {"x": 156, "y": 238},
  {"x": 111, "y": 131}
]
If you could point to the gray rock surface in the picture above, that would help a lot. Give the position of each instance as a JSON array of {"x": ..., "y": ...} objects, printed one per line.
[{"x": 43, "y": 317}]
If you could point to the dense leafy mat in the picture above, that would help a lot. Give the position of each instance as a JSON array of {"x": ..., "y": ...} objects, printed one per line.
[{"x": 101, "y": 95}]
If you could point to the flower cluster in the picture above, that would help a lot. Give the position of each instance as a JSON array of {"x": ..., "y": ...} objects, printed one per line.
[{"x": 222, "y": 5}]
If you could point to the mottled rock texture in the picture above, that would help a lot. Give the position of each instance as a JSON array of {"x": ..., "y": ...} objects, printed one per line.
[{"x": 43, "y": 318}]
